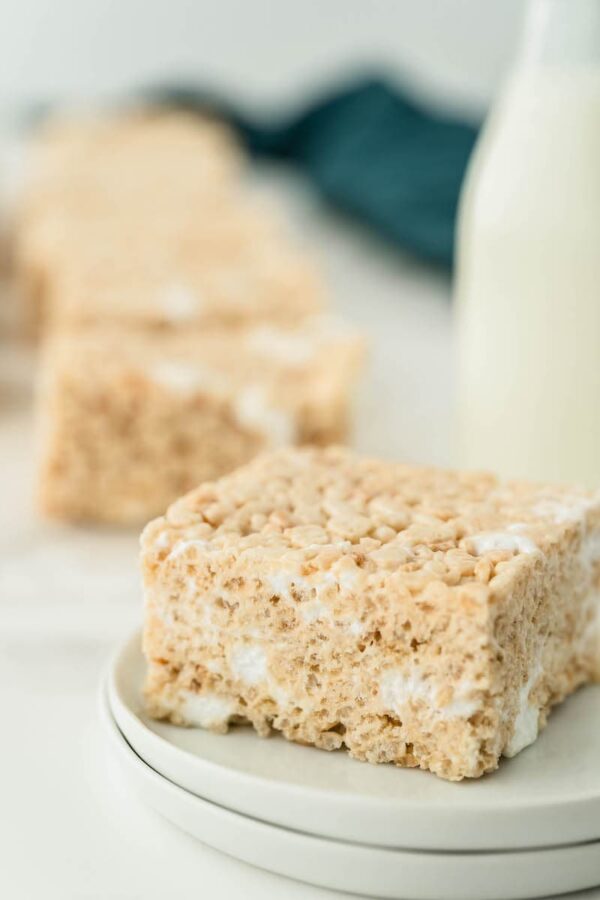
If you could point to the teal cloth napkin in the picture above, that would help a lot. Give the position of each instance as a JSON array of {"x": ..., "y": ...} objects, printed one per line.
[{"x": 371, "y": 152}]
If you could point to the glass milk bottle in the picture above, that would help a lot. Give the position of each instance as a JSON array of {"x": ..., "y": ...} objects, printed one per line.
[{"x": 528, "y": 275}]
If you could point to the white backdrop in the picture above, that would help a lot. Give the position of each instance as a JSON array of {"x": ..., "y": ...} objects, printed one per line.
[{"x": 261, "y": 50}]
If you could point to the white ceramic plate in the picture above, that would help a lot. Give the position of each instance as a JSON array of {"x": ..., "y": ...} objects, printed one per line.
[
  {"x": 358, "y": 868},
  {"x": 549, "y": 795}
]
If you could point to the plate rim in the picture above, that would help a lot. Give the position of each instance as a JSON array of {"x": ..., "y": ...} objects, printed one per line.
[
  {"x": 313, "y": 850},
  {"x": 147, "y": 742}
]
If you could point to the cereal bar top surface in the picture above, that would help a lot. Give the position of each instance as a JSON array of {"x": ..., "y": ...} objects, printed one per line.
[
  {"x": 314, "y": 506},
  {"x": 223, "y": 275},
  {"x": 218, "y": 361},
  {"x": 82, "y": 145}
]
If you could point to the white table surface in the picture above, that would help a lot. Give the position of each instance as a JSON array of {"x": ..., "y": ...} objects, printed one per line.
[{"x": 69, "y": 827}]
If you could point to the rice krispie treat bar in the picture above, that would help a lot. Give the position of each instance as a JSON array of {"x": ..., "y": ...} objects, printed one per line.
[
  {"x": 410, "y": 615},
  {"x": 130, "y": 420},
  {"x": 231, "y": 269},
  {"x": 91, "y": 162},
  {"x": 126, "y": 172}
]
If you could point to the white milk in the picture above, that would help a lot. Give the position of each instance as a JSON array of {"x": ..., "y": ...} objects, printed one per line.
[{"x": 528, "y": 282}]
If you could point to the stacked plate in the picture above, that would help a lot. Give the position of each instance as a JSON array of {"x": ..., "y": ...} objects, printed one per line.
[{"x": 531, "y": 829}]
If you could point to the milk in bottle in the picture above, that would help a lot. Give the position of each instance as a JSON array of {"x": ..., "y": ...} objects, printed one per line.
[{"x": 528, "y": 276}]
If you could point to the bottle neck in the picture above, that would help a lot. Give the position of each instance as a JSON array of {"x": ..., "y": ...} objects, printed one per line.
[{"x": 561, "y": 32}]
